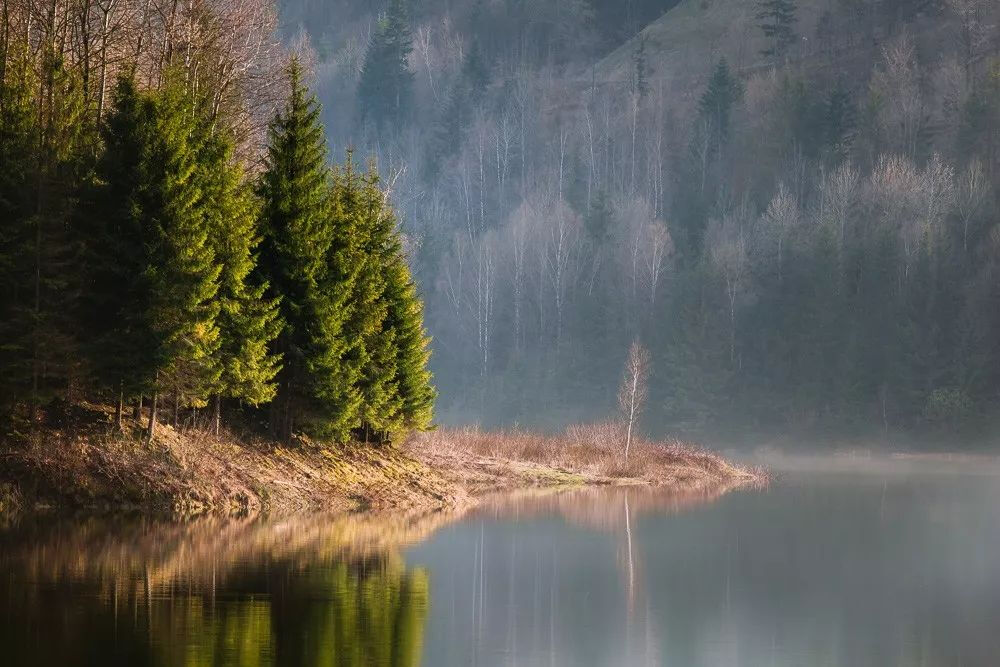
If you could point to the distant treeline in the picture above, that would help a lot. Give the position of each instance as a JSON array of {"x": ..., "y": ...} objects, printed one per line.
[
  {"x": 791, "y": 203},
  {"x": 140, "y": 262}
]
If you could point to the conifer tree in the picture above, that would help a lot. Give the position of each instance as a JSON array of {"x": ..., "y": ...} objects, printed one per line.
[
  {"x": 248, "y": 320},
  {"x": 39, "y": 333},
  {"x": 716, "y": 104},
  {"x": 18, "y": 136},
  {"x": 183, "y": 273},
  {"x": 640, "y": 63},
  {"x": 777, "y": 20},
  {"x": 386, "y": 85},
  {"x": 306, "y": 259},
  {"x": 117, "y": 261},
  {"x": 398, "y": 390}
]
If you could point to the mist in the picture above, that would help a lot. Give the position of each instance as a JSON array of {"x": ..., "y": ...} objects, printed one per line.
[{"x": 798, "y": 219}]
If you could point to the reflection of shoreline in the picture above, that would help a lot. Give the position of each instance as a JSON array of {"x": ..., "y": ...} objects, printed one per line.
[
  {"x": 601, "y": 507},
  {"x": 160, "y": 552}
]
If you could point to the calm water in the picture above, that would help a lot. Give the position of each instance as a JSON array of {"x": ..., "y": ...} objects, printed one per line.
[{"x": 832, "y": 569}]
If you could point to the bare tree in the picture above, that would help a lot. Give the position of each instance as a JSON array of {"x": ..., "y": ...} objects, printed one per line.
[
  {"x": 970, "y": 195},
  {"x": 657, "y": 248},
  {"x": 897, "y": 81},
  {"x": 632, "y": 392},
  {"x": 729, "y": 257},
  {"x": 781, "y": 217},
  {"x": 840, "y": 196}
]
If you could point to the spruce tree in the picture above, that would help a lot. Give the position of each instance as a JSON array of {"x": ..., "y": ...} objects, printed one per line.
[
  {"x": 183, "y": 273},
  {"x": 398, "y": 387},
  {"x": 248, "y": 320},
  {"x": 117, "y": 266},
  {"x": 716, "y": 104},
  {"x": 18, "y": 136},
  {"x": 777, "y": 21},
  {"x": 386, "y": 85},
  {"x": 306, "y": 260},
  {"x": 640, "y": 64}
]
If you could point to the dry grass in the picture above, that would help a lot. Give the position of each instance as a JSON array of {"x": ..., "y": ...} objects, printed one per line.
[
  {"x": 88, "y": 463},
  {"x": 590, "y": 453}
]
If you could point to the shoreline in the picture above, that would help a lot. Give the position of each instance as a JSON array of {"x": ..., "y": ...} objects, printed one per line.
[{"x": 86, "y": 465}]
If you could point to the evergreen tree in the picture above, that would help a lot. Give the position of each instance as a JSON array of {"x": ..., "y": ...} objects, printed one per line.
[
  {"x": 41, "y": 330},
  {"x": 183, "y": 274},
  {"x": 380, "y": 408},
  {"x": 386, "y": 85},
  {"x": 640, "y": 64},
  {"x": 716, "y": 103},
  {"x": 116, "y": 318},
  {"x": 248, "y": 321},
  {"x": 465, "y": 96},
  {"x": 400, "y": 350},
  {"x": 777, "y": 20},
  {"x": 840, "y": 122},
  {"x": 307, "y": 260},
  {"x": 18, "y": 137}
]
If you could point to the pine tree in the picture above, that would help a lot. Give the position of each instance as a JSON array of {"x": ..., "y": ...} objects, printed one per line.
[
  {"x": 307, "y": 259},
  {"x": 41, "y": 329},
  {"x": 18, "y": 137},
  {"x": 464, "y": 97},
  {"x": 840, "y": 121},
  {"x": 381, "y": 407},
  {"x": 399, "y": 383},
  {"x": 183, "y": 274},
  {"x": 640, "y": 63},
  {"x": 777, "y": 20},
  {"x": 716, "y": 104},
  {"x": 248, "y": 321},
  {"x": 386, "y": 85},
  {"x": 116, "y": 318}
]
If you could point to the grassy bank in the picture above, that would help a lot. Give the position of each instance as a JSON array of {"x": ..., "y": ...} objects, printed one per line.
[{"x": 82, "y": 461}]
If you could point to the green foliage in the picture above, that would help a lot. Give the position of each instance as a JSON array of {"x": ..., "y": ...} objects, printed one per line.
[
  {"x": 640, "y": 67},
  {"x": 306, "y": 259},
  {"x": 386, "y": 85},
  {"x": 118, "y": 323},
  {"x": 248, "y": 320},
  {"x": 183, "y": 274},
  {"x": 716, "y": 104},
  {"x": 777, "y": 21},
  {"x": 18, "y": 138}
]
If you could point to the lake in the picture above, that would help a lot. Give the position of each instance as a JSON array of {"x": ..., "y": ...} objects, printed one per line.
[{"x": 818, "y": 569}]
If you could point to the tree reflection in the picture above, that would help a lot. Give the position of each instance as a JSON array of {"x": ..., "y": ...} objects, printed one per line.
[{"x": 289, "y": 598}]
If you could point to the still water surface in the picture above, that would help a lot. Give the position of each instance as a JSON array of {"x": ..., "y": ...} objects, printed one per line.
[{"x": 819, "y": 569}]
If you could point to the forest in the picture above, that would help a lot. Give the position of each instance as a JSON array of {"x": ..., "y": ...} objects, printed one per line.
[
  {"x": 791, "y": 203},
  {"x": 173, "y": 232}
]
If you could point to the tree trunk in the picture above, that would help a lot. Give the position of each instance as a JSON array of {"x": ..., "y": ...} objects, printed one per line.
[
  {"x": 217, "y": 415},
  {"x": 120, "y": 407},
  {"x": 177, "y": 409},
  {"x": 137, "y": 408},
  {"x": 151, "y": 429}
]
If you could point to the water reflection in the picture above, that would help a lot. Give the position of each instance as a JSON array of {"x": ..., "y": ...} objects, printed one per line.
[
  {"x": 817, "y": 570},
  {"x": 321, "y": 591}
]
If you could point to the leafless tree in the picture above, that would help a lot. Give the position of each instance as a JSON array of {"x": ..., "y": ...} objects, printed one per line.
[
  {"x": 840, "y": 197},
  {"x": 780, "y": 218},
  {"x": 897, "y": 82},
  {"x": 729, "y": 257},
  {"x": 633, "y": 389},
  {"x": 970, "y": 196}
]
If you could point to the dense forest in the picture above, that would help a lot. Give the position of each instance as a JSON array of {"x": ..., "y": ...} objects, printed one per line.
[
  {"x": 173, "y": 233},
  {"x": 791, "y": 203}
]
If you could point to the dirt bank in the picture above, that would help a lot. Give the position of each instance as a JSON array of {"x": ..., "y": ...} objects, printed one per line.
[{"x": 84, "y": 462}]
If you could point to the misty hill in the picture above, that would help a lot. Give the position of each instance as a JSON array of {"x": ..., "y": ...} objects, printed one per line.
[{"x": 791, "y": 203}]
